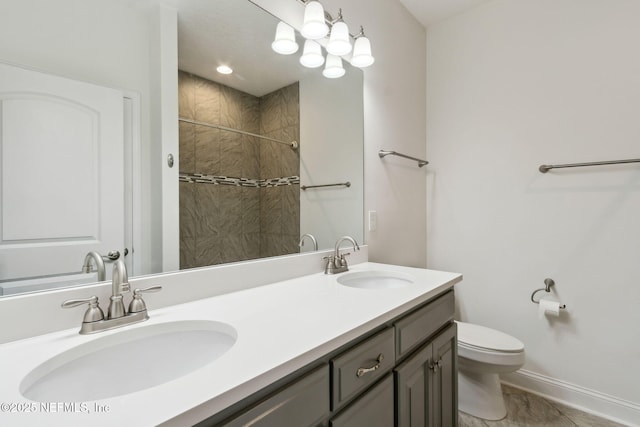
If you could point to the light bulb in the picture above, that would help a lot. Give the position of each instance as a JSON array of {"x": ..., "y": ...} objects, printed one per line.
[
  {"x": 224, "y": 69},
  {"x": 314, "y": 26},
  {"x": 312, "y": 54},
  {"x": 285, "y": 40}
]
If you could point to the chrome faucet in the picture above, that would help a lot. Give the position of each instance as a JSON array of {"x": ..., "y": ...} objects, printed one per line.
[
  {"x": 313, "y": 239},
  {"x": 99, "y": 262},
  {"x": 94, "y": 319},
  {"x": 337, "y": 263},
  {"x": 119, "y": 285}
]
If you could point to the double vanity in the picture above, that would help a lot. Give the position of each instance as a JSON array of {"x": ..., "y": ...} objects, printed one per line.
[{"x": 339, "y": 350}]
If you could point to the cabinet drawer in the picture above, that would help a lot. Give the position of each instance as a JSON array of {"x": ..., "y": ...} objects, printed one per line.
[
  {"x": 373, "y": 409},
  {"x": 419, "y": 325},
  {"x": 303, "y": 403},
  {"x": 361, "y": 366}
]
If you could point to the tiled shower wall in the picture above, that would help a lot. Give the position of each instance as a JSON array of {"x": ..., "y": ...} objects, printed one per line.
[{"x": 225, "y": 223}]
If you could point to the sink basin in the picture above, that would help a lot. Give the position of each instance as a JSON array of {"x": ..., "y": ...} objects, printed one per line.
[
  {"x": 376, "y": 279},
  {"x": 128, "y": 361}
]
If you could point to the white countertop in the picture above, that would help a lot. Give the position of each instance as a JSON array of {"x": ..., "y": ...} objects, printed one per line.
[{"x": 281, "y": 328}]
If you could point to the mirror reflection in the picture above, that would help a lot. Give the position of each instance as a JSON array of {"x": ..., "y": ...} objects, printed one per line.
[{"x": 239, "y": 194}]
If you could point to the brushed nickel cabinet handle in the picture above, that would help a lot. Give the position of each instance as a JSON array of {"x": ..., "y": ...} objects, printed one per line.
[{"x": 361, "y": 371}]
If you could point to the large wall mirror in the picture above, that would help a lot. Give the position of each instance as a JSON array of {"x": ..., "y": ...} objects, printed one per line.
[{"x": 240, "y": 194}]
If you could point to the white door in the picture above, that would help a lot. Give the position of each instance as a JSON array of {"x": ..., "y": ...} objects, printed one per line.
[{"x": 62, "y": 176}]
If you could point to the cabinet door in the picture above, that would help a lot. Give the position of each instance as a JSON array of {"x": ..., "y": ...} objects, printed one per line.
[
  {"x": 445, "y": 387},
  {"x": 373, "y": 409},
  {"x": 414, "y": 389},
  {"x": 426, "y": 384}
]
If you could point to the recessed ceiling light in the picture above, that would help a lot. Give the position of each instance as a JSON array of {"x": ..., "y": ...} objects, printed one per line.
[{"x": 224, "y": 69}]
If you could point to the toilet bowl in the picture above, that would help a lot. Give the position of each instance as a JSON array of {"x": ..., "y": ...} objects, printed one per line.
[{"x": 483, "y": 354}]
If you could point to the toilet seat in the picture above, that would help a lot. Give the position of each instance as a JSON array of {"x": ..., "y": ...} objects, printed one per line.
[
  {"x": 482, "y": 338},
  {"x": 485, "y": 345}
]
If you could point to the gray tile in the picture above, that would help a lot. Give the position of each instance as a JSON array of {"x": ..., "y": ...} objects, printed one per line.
[
  {"x": 187, "y": 150},
  {"x": 271, "y": 106},
  {"x": 231, "y": 154},
  {"x": 208, "y": 250},
  {"x": 251, "y": 211},
  {"x": 527, "y": 409},
  {"x": 187, "y": 252},
  {"x": 207, "y": 101},
  {"x": 231, "y": 106},
  {"x": 466, "y": 420},
  {"x": 230, "y": 209},
  {"x": 186, "y": 95},
  {"x": 187, "y": 209},
  {"x": 584, "y": 419},
  {"x": 207, "y": 151}
]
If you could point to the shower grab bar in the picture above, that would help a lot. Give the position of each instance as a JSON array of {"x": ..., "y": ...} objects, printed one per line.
[
  {"x": 292, "y": 144},
  {"x": 383, "y": 153},
  {"x": 547, "y": 168},
  {"x": 345, "y": 184}
]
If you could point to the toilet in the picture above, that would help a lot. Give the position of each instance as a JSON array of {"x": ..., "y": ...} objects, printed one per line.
[{"x": 483, "y": 354}]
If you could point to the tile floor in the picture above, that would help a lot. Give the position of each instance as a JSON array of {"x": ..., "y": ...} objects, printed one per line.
[{"x": 526, "y": 409}]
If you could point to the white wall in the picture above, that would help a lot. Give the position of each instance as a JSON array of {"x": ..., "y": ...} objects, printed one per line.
[
  {"x": 394, "y": 112},
  {"x": 512, "y": 85},
  {"x": 334, "y": 156}
]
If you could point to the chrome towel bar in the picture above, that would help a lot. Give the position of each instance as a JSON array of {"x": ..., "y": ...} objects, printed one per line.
[
  {"x": 547, "y": 168},
  {"x": 339, "y": 184},
  {"x": 383, "y": 153}
]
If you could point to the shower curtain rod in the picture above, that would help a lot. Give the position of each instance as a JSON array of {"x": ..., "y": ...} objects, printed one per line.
[{"x": 292, "y": 144}]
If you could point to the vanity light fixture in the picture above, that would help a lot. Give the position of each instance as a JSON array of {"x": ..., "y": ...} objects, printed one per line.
[
  {"x": 224, "y": 69},
  {"x": 318, "y": 24},
  {"x": 285, "y": 40},
  {"x": 312, "y": 54}
]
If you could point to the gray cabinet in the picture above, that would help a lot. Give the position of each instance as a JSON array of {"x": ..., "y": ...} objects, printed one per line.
[
  {"x": 403, "y": 374},
  {"x": 426, "y": 384}
]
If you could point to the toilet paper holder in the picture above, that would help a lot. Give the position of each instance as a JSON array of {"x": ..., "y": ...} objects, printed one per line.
[{"x": 548, "y": 283}]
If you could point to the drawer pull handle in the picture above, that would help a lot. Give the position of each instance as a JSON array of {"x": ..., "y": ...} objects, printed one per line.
[{"x": 361, "y": 371}]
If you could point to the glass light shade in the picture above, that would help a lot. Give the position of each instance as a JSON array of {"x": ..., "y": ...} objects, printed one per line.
[
  {"x": 362, "y": 53},
  {"x": 333, "y": 67},
  {"x": 285, "y": 41},
  {"x": 312, "y": 54},
  {"x": 339, "y": 42},
  {"x": 314, "y": 26}
]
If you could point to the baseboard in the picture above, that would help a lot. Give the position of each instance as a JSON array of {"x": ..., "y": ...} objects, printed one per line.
[{"x": 587, "y": 400}]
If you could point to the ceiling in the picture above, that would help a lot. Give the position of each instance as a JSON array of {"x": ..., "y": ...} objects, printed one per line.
[
  {"x": 428, "y": 12},
  {"x": 234, "y": 33}
]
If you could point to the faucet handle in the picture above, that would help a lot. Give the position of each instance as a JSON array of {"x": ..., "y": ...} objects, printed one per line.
[
  {"x": 137, "y": 303},
  {"x": 94, "y": 312}
]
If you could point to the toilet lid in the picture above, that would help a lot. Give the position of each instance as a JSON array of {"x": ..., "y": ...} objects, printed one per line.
[{"x": 478, "y": 336}]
